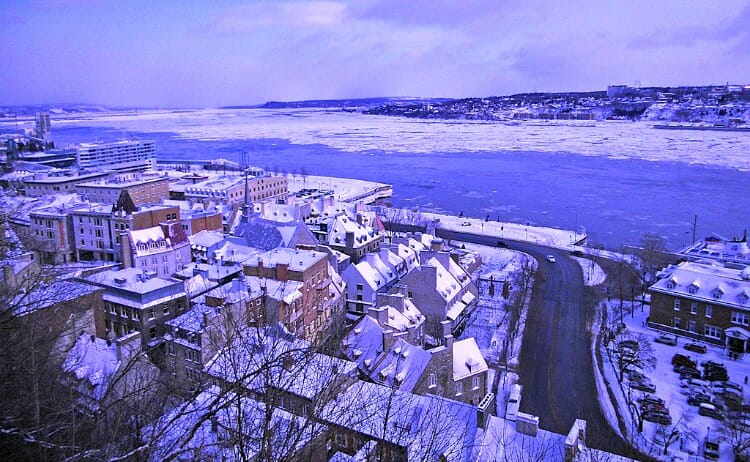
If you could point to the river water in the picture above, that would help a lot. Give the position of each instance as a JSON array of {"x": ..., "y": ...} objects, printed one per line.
[{"x": 619, "y": 180}]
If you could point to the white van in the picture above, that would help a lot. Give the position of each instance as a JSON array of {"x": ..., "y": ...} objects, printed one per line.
[{"x": 514, "y": 402}]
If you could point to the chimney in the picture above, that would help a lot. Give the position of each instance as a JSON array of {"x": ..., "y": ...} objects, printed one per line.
[
  {"x": 484, "y": 410},
  {"x": 379, "y": 313},
  {"x": 349, "y": 240},
  {"x": 529, "y": 425},
  {"x": 388, "y": 339},
  {"x": 126, "y": 252},
  {"x": 282, "y": 271},
  {"x": 575, "y": 441},
  {"x": 446, "y": 329},
  {"x": 437, "y": 244}
]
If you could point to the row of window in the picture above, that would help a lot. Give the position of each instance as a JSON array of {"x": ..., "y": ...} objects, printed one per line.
[{"x": 694, "y": 308}]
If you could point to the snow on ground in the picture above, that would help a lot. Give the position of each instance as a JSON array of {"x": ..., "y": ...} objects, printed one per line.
[
  {"x": 355, "y": 132},
  {"x": 551, "y": 237},
  {"x": 490, "y": 322},
  {"x": 593, "y": 274},
  {"x": 668, "y": 387},
  {"x": 344, "y": 188}
]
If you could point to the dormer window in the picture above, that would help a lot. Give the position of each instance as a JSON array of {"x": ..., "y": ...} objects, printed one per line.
[
  {"x": 670, "y": 285},
  {"x": 717, "y": 293},
  {"x": 692, "y": 289}
]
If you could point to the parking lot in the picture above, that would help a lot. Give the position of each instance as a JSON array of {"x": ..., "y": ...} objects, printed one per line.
[{"x": 689, "y": 391}]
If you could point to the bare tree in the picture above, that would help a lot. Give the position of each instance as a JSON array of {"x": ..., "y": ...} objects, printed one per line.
[{"x": 735, "y": 431}]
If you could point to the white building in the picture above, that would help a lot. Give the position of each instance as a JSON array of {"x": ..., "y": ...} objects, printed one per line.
[{"x": 120, "y": 155}]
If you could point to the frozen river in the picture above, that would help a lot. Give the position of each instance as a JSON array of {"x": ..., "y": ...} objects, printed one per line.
[{"x": 617, "y": 179}]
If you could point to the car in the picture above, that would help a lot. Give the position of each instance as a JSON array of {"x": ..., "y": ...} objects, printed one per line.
[
  {"x": 698, "y": 398},
  {"x": 715, "y": 375},
  {"x": 649, "y": 398},
  {"x": 682, "y": 360},
  {"x": 687, "y": 372},
  {"x": 628, "y": 344},
  {"x": 551, "y": 258},
  {"x": 643, "y": 385},
  {"x": 466, "y": 223},
  {"x": 502, "y": 244},
  {"x": 711, "y": 364},
  {"x": 696, "y": 347},
  {"x": 577, "y": 253},
  {"x": 661, "y": 418},
  {"x": 709, "y": 410},
  {"x": 636, "y": 376},
  {"x": 666, "y": 339},
  {"x": 731, "y": 386}
]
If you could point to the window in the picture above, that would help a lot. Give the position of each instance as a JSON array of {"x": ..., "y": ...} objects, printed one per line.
[
  {"x": 150, "y": 314},
  {"x": 691, "y": 326},
  {"x": 676, "y": 322},
  {"x": 709, "y": 311},
  {"x": 359, "y": 286},
  {"x": 694, "y": 308},
  {"x": 459, "y": 388},
  {"x": 170, "y": 349},
  {"x": 165, "y": 310},
  {"x": 677, "y": 304},
  {"x": 742, "y": 319},
  {"x": 432, "y": 379},
  {"x": 171, "y": 366},
  {"x": 475, "y": 381},
  {"x": 712, "y": 332}
]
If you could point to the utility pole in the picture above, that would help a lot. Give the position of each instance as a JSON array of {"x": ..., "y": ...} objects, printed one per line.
[{"x": 695, "y": 224}]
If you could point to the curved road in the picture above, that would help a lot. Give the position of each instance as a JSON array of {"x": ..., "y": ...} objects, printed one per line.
[{"x": 556, "y": 369}]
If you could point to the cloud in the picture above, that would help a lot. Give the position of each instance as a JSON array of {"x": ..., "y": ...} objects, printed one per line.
[
  {"x": 730, "y": 31},
  {"x": 263, "y": 15}
]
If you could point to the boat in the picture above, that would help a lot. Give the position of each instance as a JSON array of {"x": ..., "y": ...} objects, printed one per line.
[{"x": 721, "y": 128}]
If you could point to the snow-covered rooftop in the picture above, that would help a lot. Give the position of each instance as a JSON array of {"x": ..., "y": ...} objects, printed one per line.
[
  {"x": 467, "y": 359},
  {"x": 706, "y": 281}
]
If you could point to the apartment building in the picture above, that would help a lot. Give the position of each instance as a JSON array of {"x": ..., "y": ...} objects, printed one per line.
[
  {"x": 310, "y": 316},
  {"x": 704, "y": 301},
  {"x": 120, "y": 155},
  {"x": 138, "y": 301},
  {"x": 142, "y": 188},
  {"x": 41, "y": 184},
  {"x": 163, "y": 250}
]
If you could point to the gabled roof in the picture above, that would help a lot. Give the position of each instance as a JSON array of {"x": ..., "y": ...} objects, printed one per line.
[{"x": 467, "y": 359}]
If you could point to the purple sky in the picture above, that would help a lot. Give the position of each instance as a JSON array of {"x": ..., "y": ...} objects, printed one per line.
[{"x": 229, "y": 52}]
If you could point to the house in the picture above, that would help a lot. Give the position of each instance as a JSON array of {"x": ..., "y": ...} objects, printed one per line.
[
  {"x": 706, "y": 301},
  {"x": 349, "y": 236},
  {"x": 196, "y": 335},
  {"x": 442, "y": 289},
  {"x": 307, "y": 316},
  {"x": 265, "y": 234},
  {"x": 138, "y": 301},
  {"x": 106, "y": 375},
  {"x": 143, "y": 188},
  {"x": 163, "y": 249},
  {"x": 375, "y": 273}
]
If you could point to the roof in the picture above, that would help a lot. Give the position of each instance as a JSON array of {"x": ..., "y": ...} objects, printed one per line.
[
  {"x": 707, "y": 282},
  {"x": 94, "y": 362},
  {"x": 402, "y": 366},
  {"x": 267, "y": 350},
  {"x": 298, "y": 260},
  {"x": 342, "y": 225},
  {"x": 467, "y": 359},
  {"x": 47, "y": 295},
  {"x": 428, "y": 427}
]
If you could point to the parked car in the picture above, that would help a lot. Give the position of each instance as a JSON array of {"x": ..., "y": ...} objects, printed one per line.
[
  {"x": 709, "y": 410},
  {"x": 698, "y": 398},
  {"x": 551, "y": 258},
  {"x": 629, "y": 344},
  {"x": 731, "y": 385},
  {"x": 643, "y": 385},
  {"x": 649, "y": 398},
  {"x": 666, "y": 339},
  {"x": 710, "y": 364},
  {"x": 662, "y": 418},
  {"x": 687, "y": 372},
  {"x": 682, "y": 360},
  {"x": 715, "y": 375},
  {"x": 653, "y": 407},
  {"x": 696, "y": 347},
  {"x": 636, "y": 376},
  {"x": 502, "y": 244}
]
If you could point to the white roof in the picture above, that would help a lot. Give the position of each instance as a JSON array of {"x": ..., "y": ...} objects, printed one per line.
[
  {"x": 708, "y": 282},
  {"x": 467, "y": 359}
]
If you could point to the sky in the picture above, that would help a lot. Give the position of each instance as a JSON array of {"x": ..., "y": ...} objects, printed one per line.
[{"x": 208, "y": 54}]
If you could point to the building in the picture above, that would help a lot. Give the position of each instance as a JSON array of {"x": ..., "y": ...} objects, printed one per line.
[
  {"x": 119, "y": 155},
  {"x": 197, "y": 335},
  {"x": 375, "y": 273},
  {"x": 310, "y": 315},
  {"x": 230, "y": 189},
  {"x": 163, "y": 249},
  {"x": 704, "y": 301},
  {"x": 351, "y": 237},
  {"x": 52, "y": 229},
  {"x": 138, "y": 301},
  {"x": 43, "y": 183},
  {"x": 43, "y": 127},
  {"x": 442, "y": 289},
  {"x": 720, "y": 248},
  {"x": 142, "y": 189},
  {"x": 94, "y": 234}
]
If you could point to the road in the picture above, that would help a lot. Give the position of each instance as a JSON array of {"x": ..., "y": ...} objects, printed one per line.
[{"x": 556, "y": 367}]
